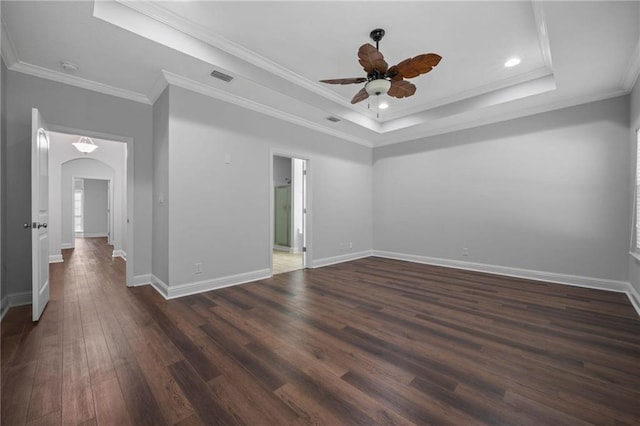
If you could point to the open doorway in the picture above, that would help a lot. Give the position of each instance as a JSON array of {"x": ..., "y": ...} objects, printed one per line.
[
  {"x": 91, "y": 209},
  {"x": 289, "y": 213},
  {"x": 88, "y": 196}
]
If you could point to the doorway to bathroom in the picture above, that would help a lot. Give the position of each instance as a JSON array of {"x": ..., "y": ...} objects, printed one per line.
[{"x": 289, "y": 248}]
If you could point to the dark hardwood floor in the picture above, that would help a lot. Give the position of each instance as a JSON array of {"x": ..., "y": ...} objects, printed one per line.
[{"x": 367, "y": 342}]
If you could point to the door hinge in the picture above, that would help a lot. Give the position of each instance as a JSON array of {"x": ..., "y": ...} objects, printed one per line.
[
  {"x": 304, "y": 249},
  {"x": 304, "y": 172}
]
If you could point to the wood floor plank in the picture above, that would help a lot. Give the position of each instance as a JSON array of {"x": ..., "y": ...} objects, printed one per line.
[
  {"x": 141, "y": 405},
  {"x": 255, "y": 406},
  {"x": 207, "y": 407},
  {"x": 372, "y": 341},
  {"x": 51, "y": 419},
  {"x": 110, "y": 406},
  {"x": 47, "y": 386},
  {"x": 173, "y": 404},
  {"x": 77, "y": 396},
  {"x": 16, "y": 393}
]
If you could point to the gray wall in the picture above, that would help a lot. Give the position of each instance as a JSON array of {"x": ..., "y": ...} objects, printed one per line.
[
  {"x": 547, "y": 192},
  {"x": 634, "y": 265},
  {"x": 69, "y": 106},
  {"x": 160, "y": 219},
  {"x": 219, "y": 213},
  {"x": 96, "y": 203}
]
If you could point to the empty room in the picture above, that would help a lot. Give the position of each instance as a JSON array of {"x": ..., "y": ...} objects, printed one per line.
[{"x": 310, "y": 212}]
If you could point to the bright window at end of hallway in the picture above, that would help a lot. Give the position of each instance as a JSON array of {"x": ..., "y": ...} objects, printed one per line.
[{"x": 78, "y": 195}]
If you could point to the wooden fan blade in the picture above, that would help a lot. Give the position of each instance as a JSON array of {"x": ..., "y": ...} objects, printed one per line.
[
  {"x": 413, "y": 67},
  {"x": 345, "y": 80},
  {"x": 371, "y": 59},
  {"x": 401, "y": 89},
  {"x": 360, "y": 96}
]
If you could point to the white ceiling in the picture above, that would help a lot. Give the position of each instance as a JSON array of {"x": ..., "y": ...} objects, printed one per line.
[{"x": 572, "y": 52}]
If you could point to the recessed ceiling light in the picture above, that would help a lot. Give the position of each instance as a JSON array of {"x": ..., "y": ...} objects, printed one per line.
[
  {"x": 383, "y": 105},
  {"x": 512, "y": 62},
  {"x": 68, "y": 66}
]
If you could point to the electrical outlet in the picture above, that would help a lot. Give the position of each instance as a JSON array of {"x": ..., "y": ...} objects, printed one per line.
[
  {"x": 465, "y": 251},
  {"x": 197, "y": 268},
  {"x": 350, "y": 244}
]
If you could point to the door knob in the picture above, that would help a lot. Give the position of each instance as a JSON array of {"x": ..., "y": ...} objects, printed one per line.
[{"x": 42, "y": 225}]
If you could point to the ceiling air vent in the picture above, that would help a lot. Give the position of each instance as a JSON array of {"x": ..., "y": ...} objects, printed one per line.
[
  {"x": 221, "y": 76},
  {"x": 333, "y": 119}
]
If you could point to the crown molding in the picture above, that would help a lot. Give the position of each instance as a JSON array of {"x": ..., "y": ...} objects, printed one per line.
[
  {"x": 212, "y": 92},
  {"x": 501, "y": 116},
  {"x": 7, "y": 48},
  {"x": 13, "y": 63},
  {"x": 472, "y": 93},
  {"x": 60, "y": 77}
]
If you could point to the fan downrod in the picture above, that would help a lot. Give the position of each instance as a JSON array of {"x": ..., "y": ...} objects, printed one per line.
[{"x": 376, "y": 35}]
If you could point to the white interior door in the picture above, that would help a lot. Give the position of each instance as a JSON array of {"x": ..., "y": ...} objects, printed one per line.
[{"x": 39, "y": 213}]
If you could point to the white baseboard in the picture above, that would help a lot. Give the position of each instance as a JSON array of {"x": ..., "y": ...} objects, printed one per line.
[
  {"x": 4, "y": 306},
  {"x": 139, "y": 280},
  {"x": 160, "y": 286},
  {"x": 65, "y": 246},
  {"x": 283, "y": 248},
  {"x": 186, "y": 289},
  {"x": 55, "y": 258},
  {"x": 318, "y": 263},
  {"x": 19, "y": 299},
  {"x": 95, "y": 235},
  {"x": 634, "y": 297},
  {"x": 573, "y": 280},
  {"x": 120, "y": 253},
  {"x": 12, "y": 300}
]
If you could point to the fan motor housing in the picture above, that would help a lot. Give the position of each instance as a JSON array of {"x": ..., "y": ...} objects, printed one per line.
[{"x": 378, "y": 86}]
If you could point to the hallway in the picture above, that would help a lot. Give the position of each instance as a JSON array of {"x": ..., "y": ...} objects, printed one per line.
[{"x": 57, "y": 368}]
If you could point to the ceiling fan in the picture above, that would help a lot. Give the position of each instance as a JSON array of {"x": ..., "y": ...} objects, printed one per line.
[{"x": 383, "y": 79}]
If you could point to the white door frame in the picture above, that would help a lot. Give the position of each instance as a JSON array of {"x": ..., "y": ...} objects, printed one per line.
[
  {"x": 129, "y": 222},
  {"x": 307, "y": 231}
]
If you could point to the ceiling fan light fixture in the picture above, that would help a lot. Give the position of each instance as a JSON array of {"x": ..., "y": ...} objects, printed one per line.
[
  {"x": 378, "y": 86},
  {"x": 382, "y": 79},
  {"x": 383, "y": 105},
  {"x": 85, "y": 145}
]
